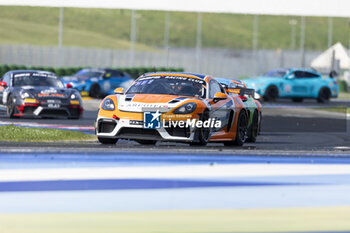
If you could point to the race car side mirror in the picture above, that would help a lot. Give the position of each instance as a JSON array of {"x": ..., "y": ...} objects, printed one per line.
[
  {"x": 119, "y": 90},
  {"x": 219, "y": 96},
  {"x": 69, "y": 85},
  {"x": 3, "y": 84}
]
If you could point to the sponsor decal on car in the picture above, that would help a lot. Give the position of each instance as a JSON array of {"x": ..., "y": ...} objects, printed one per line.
[{"x": 152, "y": 120}]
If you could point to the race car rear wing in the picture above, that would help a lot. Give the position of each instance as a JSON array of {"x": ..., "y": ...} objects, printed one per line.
[{"x": 241, "y": 91}]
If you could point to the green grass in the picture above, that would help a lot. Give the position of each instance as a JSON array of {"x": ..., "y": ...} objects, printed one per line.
[
  {"x": 106, "y": 28},
  {"x": 192, "y": 221},
  {"x": 340, "y": 109},
  {"x": 14, "y": 133},
  {"x": 344, "y": 95}
]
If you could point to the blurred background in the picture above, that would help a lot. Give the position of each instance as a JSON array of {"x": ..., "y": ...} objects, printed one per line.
[{"x": 220, "y": 44}]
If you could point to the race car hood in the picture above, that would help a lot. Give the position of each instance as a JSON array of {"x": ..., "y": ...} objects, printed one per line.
[
  {"x": 259, "y": 82},
  {"x": 149, "y": 102},
  {"x": 42, "y": 92}
]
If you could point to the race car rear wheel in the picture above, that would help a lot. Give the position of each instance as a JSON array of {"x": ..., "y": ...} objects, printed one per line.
[
  {"x": 253, "y": 130},
  {"x": 323, "y": 95},
  {"x": 202, "y": 134},
  {"x": 260, "y": 120},
  {"x": 241, "y": 132},
  {"x": 95, "y": 91},
  {"x": 146, "y": 142},
  {"x": 271, "y": 94},
  {"x": 10, "y": 107},
  {"x": 107, "y": 140}
]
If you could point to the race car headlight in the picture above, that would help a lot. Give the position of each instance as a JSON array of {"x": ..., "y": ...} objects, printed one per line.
[
  {"x": 73, "y": 96},
  {"x": 108, "y": 105},
  {"x": 26, "y": 94},
  {"x": 186, "y": 108}
]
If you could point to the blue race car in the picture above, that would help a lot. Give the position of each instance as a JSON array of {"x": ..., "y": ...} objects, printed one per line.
[
  {"x": 296, "y": 84},
  {"x": 98, "y": 82}
]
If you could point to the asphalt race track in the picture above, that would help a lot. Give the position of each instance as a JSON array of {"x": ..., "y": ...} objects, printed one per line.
[
  {"x": 295, "y": 178},
  {"x": 286, "y": 126}
]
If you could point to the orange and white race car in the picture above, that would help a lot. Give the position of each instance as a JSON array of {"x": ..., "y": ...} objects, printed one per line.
[
  {"x": 173, "y": 106},
  {"x": 253, "y": 106}
]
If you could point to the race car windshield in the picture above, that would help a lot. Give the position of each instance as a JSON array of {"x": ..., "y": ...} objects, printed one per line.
[
  {"x": 89, "y": 74},
  {"x": 169, "y": 85},
  {"x": 276, "y": 73},
  {"x": 37, "y": 81}
]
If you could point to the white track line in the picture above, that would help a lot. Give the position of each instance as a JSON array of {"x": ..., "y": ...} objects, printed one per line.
[{"x": 168, "y": 172}]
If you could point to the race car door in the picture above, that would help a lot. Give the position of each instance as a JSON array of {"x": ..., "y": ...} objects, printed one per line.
[
  {"x": 221, "y": 109},
  {"x": 303, "y": 83}
]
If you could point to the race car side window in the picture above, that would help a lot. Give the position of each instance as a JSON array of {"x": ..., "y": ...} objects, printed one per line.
[
  {"x": 117, "y": 73},
  {"x": 304, "y": 74},
  {"x": 214, "y": 88},
  {"x": 310, "y": 75}
]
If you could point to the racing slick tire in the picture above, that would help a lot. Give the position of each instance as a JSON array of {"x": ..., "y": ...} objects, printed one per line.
[
  {"x": 324, "y": 95},
  {"x": 10, "y": 107},
  {"x": 107, "y": 140},
  {"x": 260, "y": 120},
  {"x": 298, "y": 100},
  {"x": 146, "y": 142},
  {"x": 202, "y": 135},
  {"x": 241, "y": 132},
  {"x": 271, "y": 93},
  {"x": 95, "y": 91},
  {"x": 253, "y": 130}
]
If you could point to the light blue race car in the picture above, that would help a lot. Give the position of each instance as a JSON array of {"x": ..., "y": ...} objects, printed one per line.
[
  {"x": 98, "y": 82},
  {"x": 296, "y": 84}
]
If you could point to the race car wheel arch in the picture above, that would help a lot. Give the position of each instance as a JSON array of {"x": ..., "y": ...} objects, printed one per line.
[
  {"x": 10, "y": 106},
  {"x": 324, "y": 95},
  {"x": 253, "y": 130},
  {"x": 271, "y": 93},
  {"x": 107, "y": 140},
  {"x": 241, "y": 132}
]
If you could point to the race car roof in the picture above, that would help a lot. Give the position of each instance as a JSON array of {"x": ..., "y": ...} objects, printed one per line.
[{"x": 200, "y": 76}]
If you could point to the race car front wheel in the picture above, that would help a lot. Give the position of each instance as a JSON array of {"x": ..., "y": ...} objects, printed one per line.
[
  {"x": 241, "y": 132},
  {"x": 271, "y": 94},
  {"x": 107, "y": 140},
  {"x": 202, "y": 134},
  {"x": 253, "y": 130},
  {"x": 95, "y": 91},
  {"x": 10, "y": 107}
]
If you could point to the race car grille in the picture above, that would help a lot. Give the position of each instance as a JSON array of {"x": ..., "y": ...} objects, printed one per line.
[
  {"x": 106, "y": 126},
  {"x": 139, "y": 133},
  {"x": 179, "y": 132},
  {"x": 53, "y": 113},
  {"x": 29, "y": 110}
]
